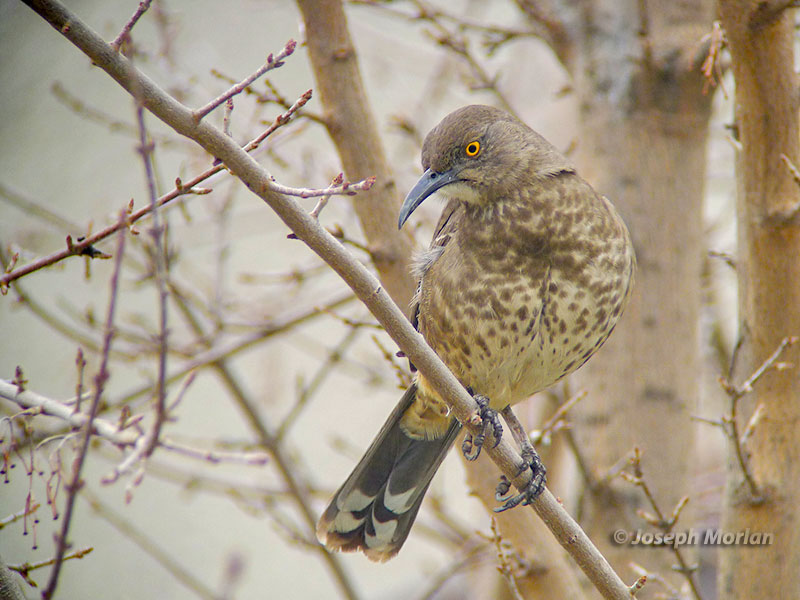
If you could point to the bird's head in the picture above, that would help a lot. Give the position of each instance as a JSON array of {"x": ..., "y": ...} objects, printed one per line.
[{"x": 479, "y": 155}]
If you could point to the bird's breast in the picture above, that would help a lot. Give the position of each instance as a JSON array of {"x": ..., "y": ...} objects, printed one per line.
[{"x": 511, "y": 315}]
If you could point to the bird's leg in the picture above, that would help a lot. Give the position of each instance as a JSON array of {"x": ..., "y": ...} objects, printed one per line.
[
  {"x": 489, "y": 418},
  {"x": 532, "y": 462}
]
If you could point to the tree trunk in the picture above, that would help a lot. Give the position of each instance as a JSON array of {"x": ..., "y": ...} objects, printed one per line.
[
  {"x": 352, "y": 128},
  {"x": 760, "y": 38}
]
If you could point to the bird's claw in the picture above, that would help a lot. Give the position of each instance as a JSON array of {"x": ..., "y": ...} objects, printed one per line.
[
  {"x": 532, "y": 491},
  {"x": 489, "y": 419}
]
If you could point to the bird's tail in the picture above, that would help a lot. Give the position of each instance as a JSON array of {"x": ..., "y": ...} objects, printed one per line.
[{"x": 374, "y": 509}]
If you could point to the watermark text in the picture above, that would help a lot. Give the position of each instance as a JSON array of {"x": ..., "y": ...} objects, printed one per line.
[{"x": 692, "y": 537}]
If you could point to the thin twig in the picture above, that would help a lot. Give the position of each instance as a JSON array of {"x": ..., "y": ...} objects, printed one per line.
[
  {"x": 711, "y": 67},
  {"x": 125, "y": 33},
  {"x": 469, "y": 557},
  {"x": 279, "y": 121},
  {"x": 83, "y": 246},
  {"x": 345, "y": 188},
  {"x": 25, "y": 568},
  {"x": 215, "y": 456},
  {"x": 556, "y": 419},
  {"x": 160, "y": 275},
  {"x": 73, "y": 487},
  {"x": 323, "y": 201},
  {"x": 227, "y": 350},
  {"x": 505, "y": 567},
  {"x": 271, "y": 63},
  {"x": 226, "y": 116},
  {"x": 13, "y": 518},
  {"x": 735, "y": 393},
  {"x": 664, "y": 523},
  {"x": 38, "y": 404},
  {"x": 88, "y": 112}
]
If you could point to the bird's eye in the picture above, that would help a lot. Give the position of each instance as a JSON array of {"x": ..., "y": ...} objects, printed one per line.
[{"x": 473, "y": 148}]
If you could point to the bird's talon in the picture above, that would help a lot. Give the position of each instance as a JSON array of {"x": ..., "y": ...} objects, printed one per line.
[
  {"x": 467, "y": 447},
  {"x": 489, "y": 418},
  {"x": 502, "y": 489},
  {"x": 534, "y": 489}
]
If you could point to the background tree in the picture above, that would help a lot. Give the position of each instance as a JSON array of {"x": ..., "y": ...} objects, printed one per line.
[{"x": 763, "y": 485}]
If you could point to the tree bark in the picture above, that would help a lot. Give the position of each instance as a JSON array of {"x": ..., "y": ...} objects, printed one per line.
[
  {"x": 352, "y": 128},
  {"x": 760, "y": 38}
]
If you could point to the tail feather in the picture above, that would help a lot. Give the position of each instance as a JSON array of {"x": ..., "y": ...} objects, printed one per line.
[{"x": 374, "y": 509}]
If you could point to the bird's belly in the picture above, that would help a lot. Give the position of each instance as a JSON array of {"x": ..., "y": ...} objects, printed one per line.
[{"x": 512, "y": 349}]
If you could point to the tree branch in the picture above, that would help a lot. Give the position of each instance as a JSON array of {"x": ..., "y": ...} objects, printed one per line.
[{"x": 100, "y": 380}]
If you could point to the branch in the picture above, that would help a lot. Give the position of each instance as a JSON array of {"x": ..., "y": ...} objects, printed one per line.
[
  {"x": 84, "y": 245},
  {"x": 120, "y": 434},
  {"x": 160, "y": 277},
  {"x": 664, "y": 523},
  {"x": 75, "y": 483},
  {"x": 38, "y": 404},
  {"x": 735, "y": 393},
  {"x": 271, "y": 63},
  {"x": 358, "y": 277},
  {"x": 25, "y": 568},
  {"x": 125, "y": 33}
]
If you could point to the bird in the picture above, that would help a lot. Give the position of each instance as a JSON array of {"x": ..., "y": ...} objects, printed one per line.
[{"x": 528, "y": 272}]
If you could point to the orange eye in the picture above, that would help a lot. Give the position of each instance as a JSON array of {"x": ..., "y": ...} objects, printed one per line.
[{"x": 473, "y": 148}]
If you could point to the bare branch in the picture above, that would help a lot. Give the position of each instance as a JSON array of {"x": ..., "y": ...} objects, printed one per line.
[
  {"x": 504, "y": 556},
  {"x": 75, "y": 484},
  {"x": 25, "y": 568},
  {"x": 271, "y": 63},
  {"x": 37, "y": 404},
  {"x": 215, "y": 456},
  {"x": 84, "y": 246},
  {"x": 735, "y": 393},
  {"x": 345, "y": 188},
  {"x": 712, "y": 68},
  {"x": 664, "y": 523},
  {"x": 160, "y": 275},
  {"x": 280, "y": 120},
  {"x": 556, "y": 420},
  {"x": 125, "y": 33}
]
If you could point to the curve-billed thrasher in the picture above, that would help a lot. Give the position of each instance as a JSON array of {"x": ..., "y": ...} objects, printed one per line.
[{"x": 528, "y": 271}]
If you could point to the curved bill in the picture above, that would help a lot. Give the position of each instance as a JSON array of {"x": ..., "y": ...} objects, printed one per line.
[{"x": 427, "y": 184}]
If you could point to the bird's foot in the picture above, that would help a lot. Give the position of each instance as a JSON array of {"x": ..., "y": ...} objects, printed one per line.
[
  {"x": 471, "y": 447},
  {"x": 531, "y": 461},
  {"x": 534, "y": 488}
]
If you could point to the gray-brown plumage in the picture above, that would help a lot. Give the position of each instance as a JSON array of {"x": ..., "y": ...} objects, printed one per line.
[{"x": 528, "y": 271}]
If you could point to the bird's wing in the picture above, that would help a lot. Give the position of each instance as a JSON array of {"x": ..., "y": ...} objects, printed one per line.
[{"x": 447, "y": 225}]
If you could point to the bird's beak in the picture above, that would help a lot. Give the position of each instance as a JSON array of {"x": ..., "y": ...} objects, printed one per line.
[{"x": 427, "y": 184}]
